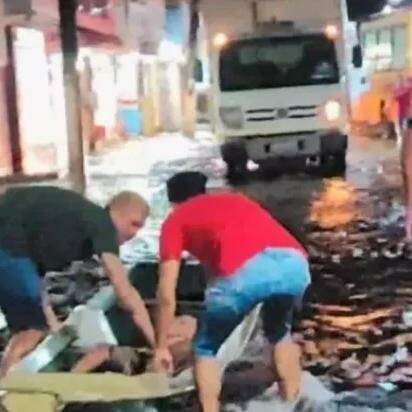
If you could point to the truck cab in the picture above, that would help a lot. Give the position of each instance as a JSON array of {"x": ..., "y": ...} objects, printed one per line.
[
  {"x": 281, "y": 90},
  {"x": 282, "y": 95}
]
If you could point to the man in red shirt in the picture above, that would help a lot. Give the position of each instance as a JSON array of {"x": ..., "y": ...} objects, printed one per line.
[{"x": 253, "y": 260}]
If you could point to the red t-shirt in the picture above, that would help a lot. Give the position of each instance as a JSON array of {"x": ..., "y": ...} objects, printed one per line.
[{"x": 222, "y": 231}]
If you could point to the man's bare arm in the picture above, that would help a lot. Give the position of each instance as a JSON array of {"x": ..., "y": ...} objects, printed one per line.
[
  {"x": 48, "y": 311},
  {"x": 92, "y": 360},
  {"x": 129, "y": 297},
  {"x": 407, "y": 166},
  {"x": 168, "y": 276}
]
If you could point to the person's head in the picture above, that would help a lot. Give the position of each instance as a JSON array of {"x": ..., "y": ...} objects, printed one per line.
[
  {"x": 129, "y": 212},
  {"x": 185, "y": 185}
]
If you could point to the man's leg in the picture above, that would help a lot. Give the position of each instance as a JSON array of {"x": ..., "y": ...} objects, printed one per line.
[
  {"x": 20, "y": 300},
  {"x": 287, "y": 363},
  {"x": 271, "y": 274},
  {"x": 208, "y": 376},
  {"x": 279, "y": 278},
  {"x": 21, "y": 344},
  {"x": 286, "y": 355},
  {"x": 223, "y": 312}
]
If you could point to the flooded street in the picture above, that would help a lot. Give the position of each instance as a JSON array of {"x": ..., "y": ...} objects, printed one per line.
[
  {"x": 371, "y": 185},
  {"x": 355, "y": 329},
  {"x": 298, "y": 105}
]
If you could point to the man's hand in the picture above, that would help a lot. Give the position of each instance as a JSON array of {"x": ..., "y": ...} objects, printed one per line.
[
  {"x": 52, "y": 321},
  {"x": 129, "y": 297},
  {"x": 163, "y": 361}
]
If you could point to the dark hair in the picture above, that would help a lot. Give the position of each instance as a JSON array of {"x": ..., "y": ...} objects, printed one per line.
[{"x": 182, "y": 186}]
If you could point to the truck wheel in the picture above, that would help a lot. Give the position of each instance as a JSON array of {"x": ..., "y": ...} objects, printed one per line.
[
  {"x": 334, "y": 165},
  {"x": 236, "y": 157}
]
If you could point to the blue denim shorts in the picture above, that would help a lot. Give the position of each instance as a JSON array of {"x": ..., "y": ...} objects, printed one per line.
[
  {"x": 20, "y": 293},
  {"x": 276, "y": 277}
]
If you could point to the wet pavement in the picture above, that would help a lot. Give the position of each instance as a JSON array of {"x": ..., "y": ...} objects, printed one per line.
[{"x": 356, "y": 327}]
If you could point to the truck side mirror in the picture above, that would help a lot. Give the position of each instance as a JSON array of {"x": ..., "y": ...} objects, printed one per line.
[{"x": 357, "y": 58}]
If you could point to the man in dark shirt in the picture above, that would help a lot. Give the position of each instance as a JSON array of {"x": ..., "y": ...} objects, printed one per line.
[{"x": 46, "y": 228}]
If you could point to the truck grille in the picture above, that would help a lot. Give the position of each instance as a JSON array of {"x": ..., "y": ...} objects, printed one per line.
[{"x": 279, "y": 113}]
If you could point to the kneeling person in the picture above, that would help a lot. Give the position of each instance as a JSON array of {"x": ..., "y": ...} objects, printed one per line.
[{"x": 46, "y": 228}]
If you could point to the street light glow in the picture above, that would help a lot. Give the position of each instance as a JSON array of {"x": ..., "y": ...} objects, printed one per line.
[
  {"x": 220, "y": 40},
  {"x": 331, "y": 31}
]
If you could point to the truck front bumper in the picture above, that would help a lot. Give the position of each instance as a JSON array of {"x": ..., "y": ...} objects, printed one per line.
[{"x": 294, "y": 145}]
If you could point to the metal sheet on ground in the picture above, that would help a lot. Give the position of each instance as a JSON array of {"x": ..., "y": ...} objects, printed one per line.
[
  {"x": 30, "y": 402},
  {"x": 71, "y": 388},
  {"x": 54, "y": 344},
  {"x": 108, "y": 387}
]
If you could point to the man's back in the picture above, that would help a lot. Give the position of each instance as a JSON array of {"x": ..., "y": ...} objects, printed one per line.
[
  {"x": 50, "y": 225},
  {"x": 223, "y": 231}
]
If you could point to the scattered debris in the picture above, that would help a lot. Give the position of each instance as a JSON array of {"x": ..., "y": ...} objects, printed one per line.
[{"x": 361, "y": 337}]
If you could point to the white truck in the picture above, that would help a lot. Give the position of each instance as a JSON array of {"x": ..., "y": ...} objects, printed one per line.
[{"x": 281, "y": 89}]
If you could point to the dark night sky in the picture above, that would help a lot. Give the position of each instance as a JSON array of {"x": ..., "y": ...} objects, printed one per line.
[{"x": 359, "y": 9}]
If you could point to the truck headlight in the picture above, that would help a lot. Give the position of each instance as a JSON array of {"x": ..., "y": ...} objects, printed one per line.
[
  {"x": 231, "y": 117},
  {"x": 333, "y": 110}
]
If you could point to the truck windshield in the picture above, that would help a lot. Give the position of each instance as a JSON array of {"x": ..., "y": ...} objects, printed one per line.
[{"x": 278, "y": 62}]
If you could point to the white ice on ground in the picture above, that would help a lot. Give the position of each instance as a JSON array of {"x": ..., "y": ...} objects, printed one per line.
[
  {"x": 252, "y": 166},
  {"x": 138, "y": 156},
  {"x": 144, "y": 165}
]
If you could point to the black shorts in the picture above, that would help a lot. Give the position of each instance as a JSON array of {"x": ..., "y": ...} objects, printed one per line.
[{"x": 20, "y": 293}]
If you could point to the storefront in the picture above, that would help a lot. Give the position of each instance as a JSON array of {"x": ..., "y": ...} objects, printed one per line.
[
  {"x": 132, "y": 81},
  {"x": 36, "y": 119},
  {"x": 387, "y": 61}
]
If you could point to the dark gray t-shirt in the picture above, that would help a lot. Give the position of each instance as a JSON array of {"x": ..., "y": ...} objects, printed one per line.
[{"x": 54, "y": 227}]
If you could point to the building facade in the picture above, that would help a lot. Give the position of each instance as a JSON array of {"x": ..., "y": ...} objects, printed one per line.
[
  {"x": 131, "y": 68},
  {"x": 387, "y": 50}
]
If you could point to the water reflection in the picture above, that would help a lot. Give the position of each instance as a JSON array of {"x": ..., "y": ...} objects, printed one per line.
[{"x": 336, "y": 205}]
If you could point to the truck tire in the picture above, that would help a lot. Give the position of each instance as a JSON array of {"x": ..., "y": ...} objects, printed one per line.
[
  {"x": 334, "y": 165},
  {"x": 236, "y": 157}
]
